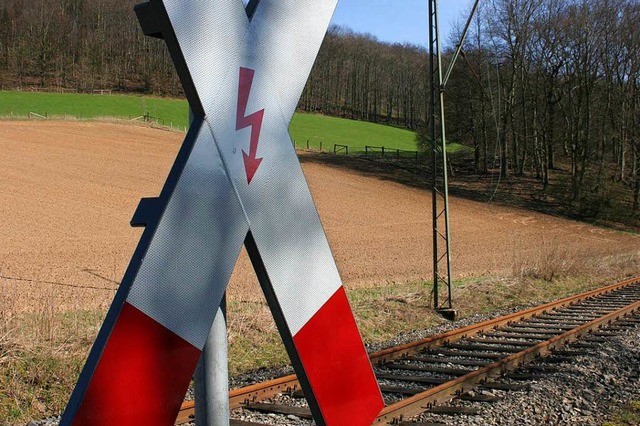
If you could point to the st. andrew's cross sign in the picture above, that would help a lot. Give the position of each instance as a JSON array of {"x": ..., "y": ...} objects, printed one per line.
[{"x": 236, "y": 179}]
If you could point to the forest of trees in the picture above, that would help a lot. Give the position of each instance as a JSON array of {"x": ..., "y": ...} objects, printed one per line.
[
  {"x": 97, "y": 44},
  {"x": 81, "y": 44},
  {"x": 542, "y": 84},
  {"x": 549, "y": 83}
]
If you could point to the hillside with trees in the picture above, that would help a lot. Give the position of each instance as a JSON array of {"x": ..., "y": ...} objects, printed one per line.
[
  {"x": 546, "y": 89},
  {"x": 550, "y": 88}
]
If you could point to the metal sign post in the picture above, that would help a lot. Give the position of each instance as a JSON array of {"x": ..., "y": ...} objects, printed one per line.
[
  {"x": 237, "y": 179},
  {"x": 211, "y": 378}
]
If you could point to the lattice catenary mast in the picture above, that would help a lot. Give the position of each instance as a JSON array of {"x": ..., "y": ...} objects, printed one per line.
[{"x": 442, "y": 290}]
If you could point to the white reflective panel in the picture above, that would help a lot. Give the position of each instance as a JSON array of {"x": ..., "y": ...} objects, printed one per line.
[
  {"x": 190, "y": 259},
  {"x": 287, "y": 37},
  {"x": 288, "y": 233},
  {"x": 280, "y": 45},
  {"x": 213, "y": 35}
]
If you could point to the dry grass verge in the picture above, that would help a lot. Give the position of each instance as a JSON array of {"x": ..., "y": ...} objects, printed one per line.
[
  {"x": 629, "y": 415},
  {"x": 42, "y": 351},
  {"x": 40, "y": 357}
]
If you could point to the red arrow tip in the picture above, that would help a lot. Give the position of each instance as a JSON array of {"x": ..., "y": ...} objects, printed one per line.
[{"x": 251, "y": 165}]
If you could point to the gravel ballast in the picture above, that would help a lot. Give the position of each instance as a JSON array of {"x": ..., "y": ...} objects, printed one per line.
[{"x": 585, "y": 390}]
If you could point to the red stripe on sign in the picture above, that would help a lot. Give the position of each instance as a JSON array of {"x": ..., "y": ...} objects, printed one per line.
[
  {"x": 337, "y": 365},
  {"x": 142, "y": 376}
]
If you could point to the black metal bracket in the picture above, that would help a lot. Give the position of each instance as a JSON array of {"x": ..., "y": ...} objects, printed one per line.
[
  {"x": 448, "y": 314},
  {"x": 147, "y": 212},
  {"x": 148, "y": 20}
]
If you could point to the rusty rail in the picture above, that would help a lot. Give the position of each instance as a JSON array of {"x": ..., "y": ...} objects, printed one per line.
[
  {"x": 417, "y": 404},
  {"x": 402, "y": 351},
  {"x": 445, "y": 392},
  {"x": 246, "y": 395}
]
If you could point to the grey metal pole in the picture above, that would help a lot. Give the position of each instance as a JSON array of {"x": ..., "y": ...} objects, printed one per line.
[
  {"x": 438, "y": 85},
  {"x": 432, "y": 129},
  {"x": 443, "y": 147},
  {"x": 439, "y": 159},
  {"x": 211, "y": 378},
  {"x": 459, "y": 45}
]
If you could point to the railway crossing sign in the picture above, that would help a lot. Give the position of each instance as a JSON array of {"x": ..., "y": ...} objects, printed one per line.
[{"x": 236, "y": 180}]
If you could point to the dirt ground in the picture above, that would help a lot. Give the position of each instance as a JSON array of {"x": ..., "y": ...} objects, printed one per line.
[{"x": 69, "y": 189}]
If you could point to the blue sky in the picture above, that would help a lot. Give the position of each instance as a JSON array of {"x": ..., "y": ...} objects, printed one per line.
[{"x": 400, "y": 20}]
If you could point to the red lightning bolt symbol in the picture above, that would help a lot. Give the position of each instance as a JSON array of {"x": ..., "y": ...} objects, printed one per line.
[{"x": 251, "y": 163}]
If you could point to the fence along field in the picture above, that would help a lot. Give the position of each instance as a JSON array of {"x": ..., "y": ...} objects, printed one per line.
[
  {"x": 86, "y": 106},
  {"x": 313, "y": 131}
]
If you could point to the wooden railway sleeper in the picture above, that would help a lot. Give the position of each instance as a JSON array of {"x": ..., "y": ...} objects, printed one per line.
[
  {"x": 558, "y": 324},
  {"x": 485, "y": 348},
  {"x": 523, "y": 336}
]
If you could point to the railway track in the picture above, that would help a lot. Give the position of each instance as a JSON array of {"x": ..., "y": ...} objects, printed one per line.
[{"x": 421, "y": 376}]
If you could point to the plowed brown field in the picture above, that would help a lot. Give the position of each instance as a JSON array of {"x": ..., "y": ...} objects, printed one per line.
[{"x": 68, "y": 190}]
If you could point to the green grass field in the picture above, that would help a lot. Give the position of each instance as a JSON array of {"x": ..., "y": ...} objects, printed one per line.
[
  {"x": 356, "y": 134},
  {"x": 315, "y": 128},
  {"x": 84, "y": 106}
]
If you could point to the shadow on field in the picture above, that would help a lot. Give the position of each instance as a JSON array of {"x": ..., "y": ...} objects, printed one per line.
[
  {"x": 369, "y": 167},
  {"x": 517, "y": 191}
]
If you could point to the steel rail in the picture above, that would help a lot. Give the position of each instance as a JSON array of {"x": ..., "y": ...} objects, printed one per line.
[
  {"x": 418, "y": 403},
  {"x": 402, "y": 351},
  {"x": 241, "y": 396},
  {"x": 287, "y": 384}
]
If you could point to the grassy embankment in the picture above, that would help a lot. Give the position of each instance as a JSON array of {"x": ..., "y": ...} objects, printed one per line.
[
  {"x": 317, "y": 129},
  {"x": 320, "y": 131},
  {"x": 84, "y": 106}
]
